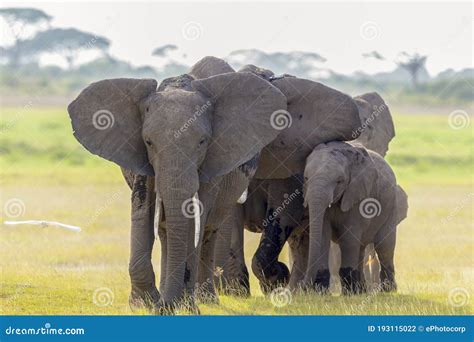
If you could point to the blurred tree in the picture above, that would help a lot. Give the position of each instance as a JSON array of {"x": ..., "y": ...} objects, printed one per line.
[
  {"x": 162, "y": 51},
  {"x": 413, "y": 63},
  {"x": 21, "y": 22},
  {"x": 67, "y": 42},
  {"x": 373, "y": 54},
  {"x": 297, "y": 63}
]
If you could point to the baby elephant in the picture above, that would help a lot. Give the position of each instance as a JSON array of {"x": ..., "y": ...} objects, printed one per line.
[{"x": 352, "y": 198}]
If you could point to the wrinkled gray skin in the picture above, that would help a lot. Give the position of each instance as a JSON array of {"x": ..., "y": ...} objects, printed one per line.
[
  {"x": 195, "y": 137},
  {"x": 376, "y": 131},
  {"x": 318, "y": 114},
  {"x": 352, "y": 198}
]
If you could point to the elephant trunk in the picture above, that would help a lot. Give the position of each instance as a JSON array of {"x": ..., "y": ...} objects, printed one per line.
[
  {"x": 316, "y": 273},
  {"x": 179, "y": 202}
]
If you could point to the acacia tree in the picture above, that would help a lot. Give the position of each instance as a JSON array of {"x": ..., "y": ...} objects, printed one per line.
[
  {"x": 22, "y": 22},
  {"x": 412, "y": 63},
  {"x": 66, "y": 42}
]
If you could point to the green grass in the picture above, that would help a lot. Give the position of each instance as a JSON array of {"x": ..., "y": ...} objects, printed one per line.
[{"x": 51, "y": 271}]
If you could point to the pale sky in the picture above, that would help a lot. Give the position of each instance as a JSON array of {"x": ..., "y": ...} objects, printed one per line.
[{"x": 340, "y": 32}]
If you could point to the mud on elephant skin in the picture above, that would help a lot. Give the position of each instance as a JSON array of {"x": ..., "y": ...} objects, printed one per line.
[{"x": 185, "y": 134}]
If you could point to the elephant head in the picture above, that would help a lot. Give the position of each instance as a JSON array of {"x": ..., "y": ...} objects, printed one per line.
[
  {"x": 377, "y": 128},
  {"x": 191, "y": 129},
  {"x": 336, "y": 173}
]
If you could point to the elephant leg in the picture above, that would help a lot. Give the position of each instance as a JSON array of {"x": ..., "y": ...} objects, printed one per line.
[
  {"x": 299, "y": 247},
  {"x": 231, "y": 274},
  {"x": 206, "y": 291},
  {"x": 362, "y": 288},
  {"x": 144, "y": 291},
  {"x": 162, "y": 236},
  {"x": 284, "y": 214},
  {"x": 199, "y": 281},
  {"x": 223, "y": 251},
  {"x": 236, "y": 272},
  {"x": 265, "y": 265},
  {"x": 349, "y": 271},
  {"x": 385, "y": 247},
  {"x": 231, "y": 189}
]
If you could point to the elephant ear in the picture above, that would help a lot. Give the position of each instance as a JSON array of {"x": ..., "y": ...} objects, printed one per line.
[
  {"x": 241, "y": 120},
  {"x": 106, "y": 120},
  {"x": 377, "y": 124},
  {"x": 319, "y": 114},
  {"x": 210, "y": 66},
  {"x": 363, "y": 175}
]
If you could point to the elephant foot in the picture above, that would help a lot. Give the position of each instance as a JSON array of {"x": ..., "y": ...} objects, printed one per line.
[
  {"x": 237, "y": 285},
  {"x": 363, "y": 288},
  {"x": 350, "y": 281},
  {"x": 186, "y": 304},
  {"x": 148, "y": 299},
  {"x": 387, "y": 278},
  {"x": 279, "y": 278},
  {"x": 318, "y": 284},
  {"x": 206, "y": 293},
  {"x": 322, "y": 281}
]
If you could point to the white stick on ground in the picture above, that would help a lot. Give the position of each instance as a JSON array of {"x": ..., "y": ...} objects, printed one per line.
[{"x": 44, "y": 224}]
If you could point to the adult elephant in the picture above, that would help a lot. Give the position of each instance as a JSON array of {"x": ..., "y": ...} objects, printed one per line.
[
  {"x": 184, "y": 146},
  {"x": 376, "y": 130}
]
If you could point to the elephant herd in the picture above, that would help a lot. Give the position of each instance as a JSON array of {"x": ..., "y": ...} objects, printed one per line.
[{"x": 211, "y": 152}]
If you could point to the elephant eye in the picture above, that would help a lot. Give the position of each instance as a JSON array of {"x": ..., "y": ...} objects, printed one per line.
[
  {"x": 148, "y": 142},
  {"x": 203, "y": 140}
]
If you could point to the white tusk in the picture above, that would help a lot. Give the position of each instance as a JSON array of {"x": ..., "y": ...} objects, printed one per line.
[
  {"x": 45, "y": 224},
  {"x": 197, "y": 219},
  {"x": 243, "y": 197},
  {"x": 157, "y": 220}
]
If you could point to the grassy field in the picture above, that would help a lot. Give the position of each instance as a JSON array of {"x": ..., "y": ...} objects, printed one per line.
[{"x": 46, "y": 174}]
